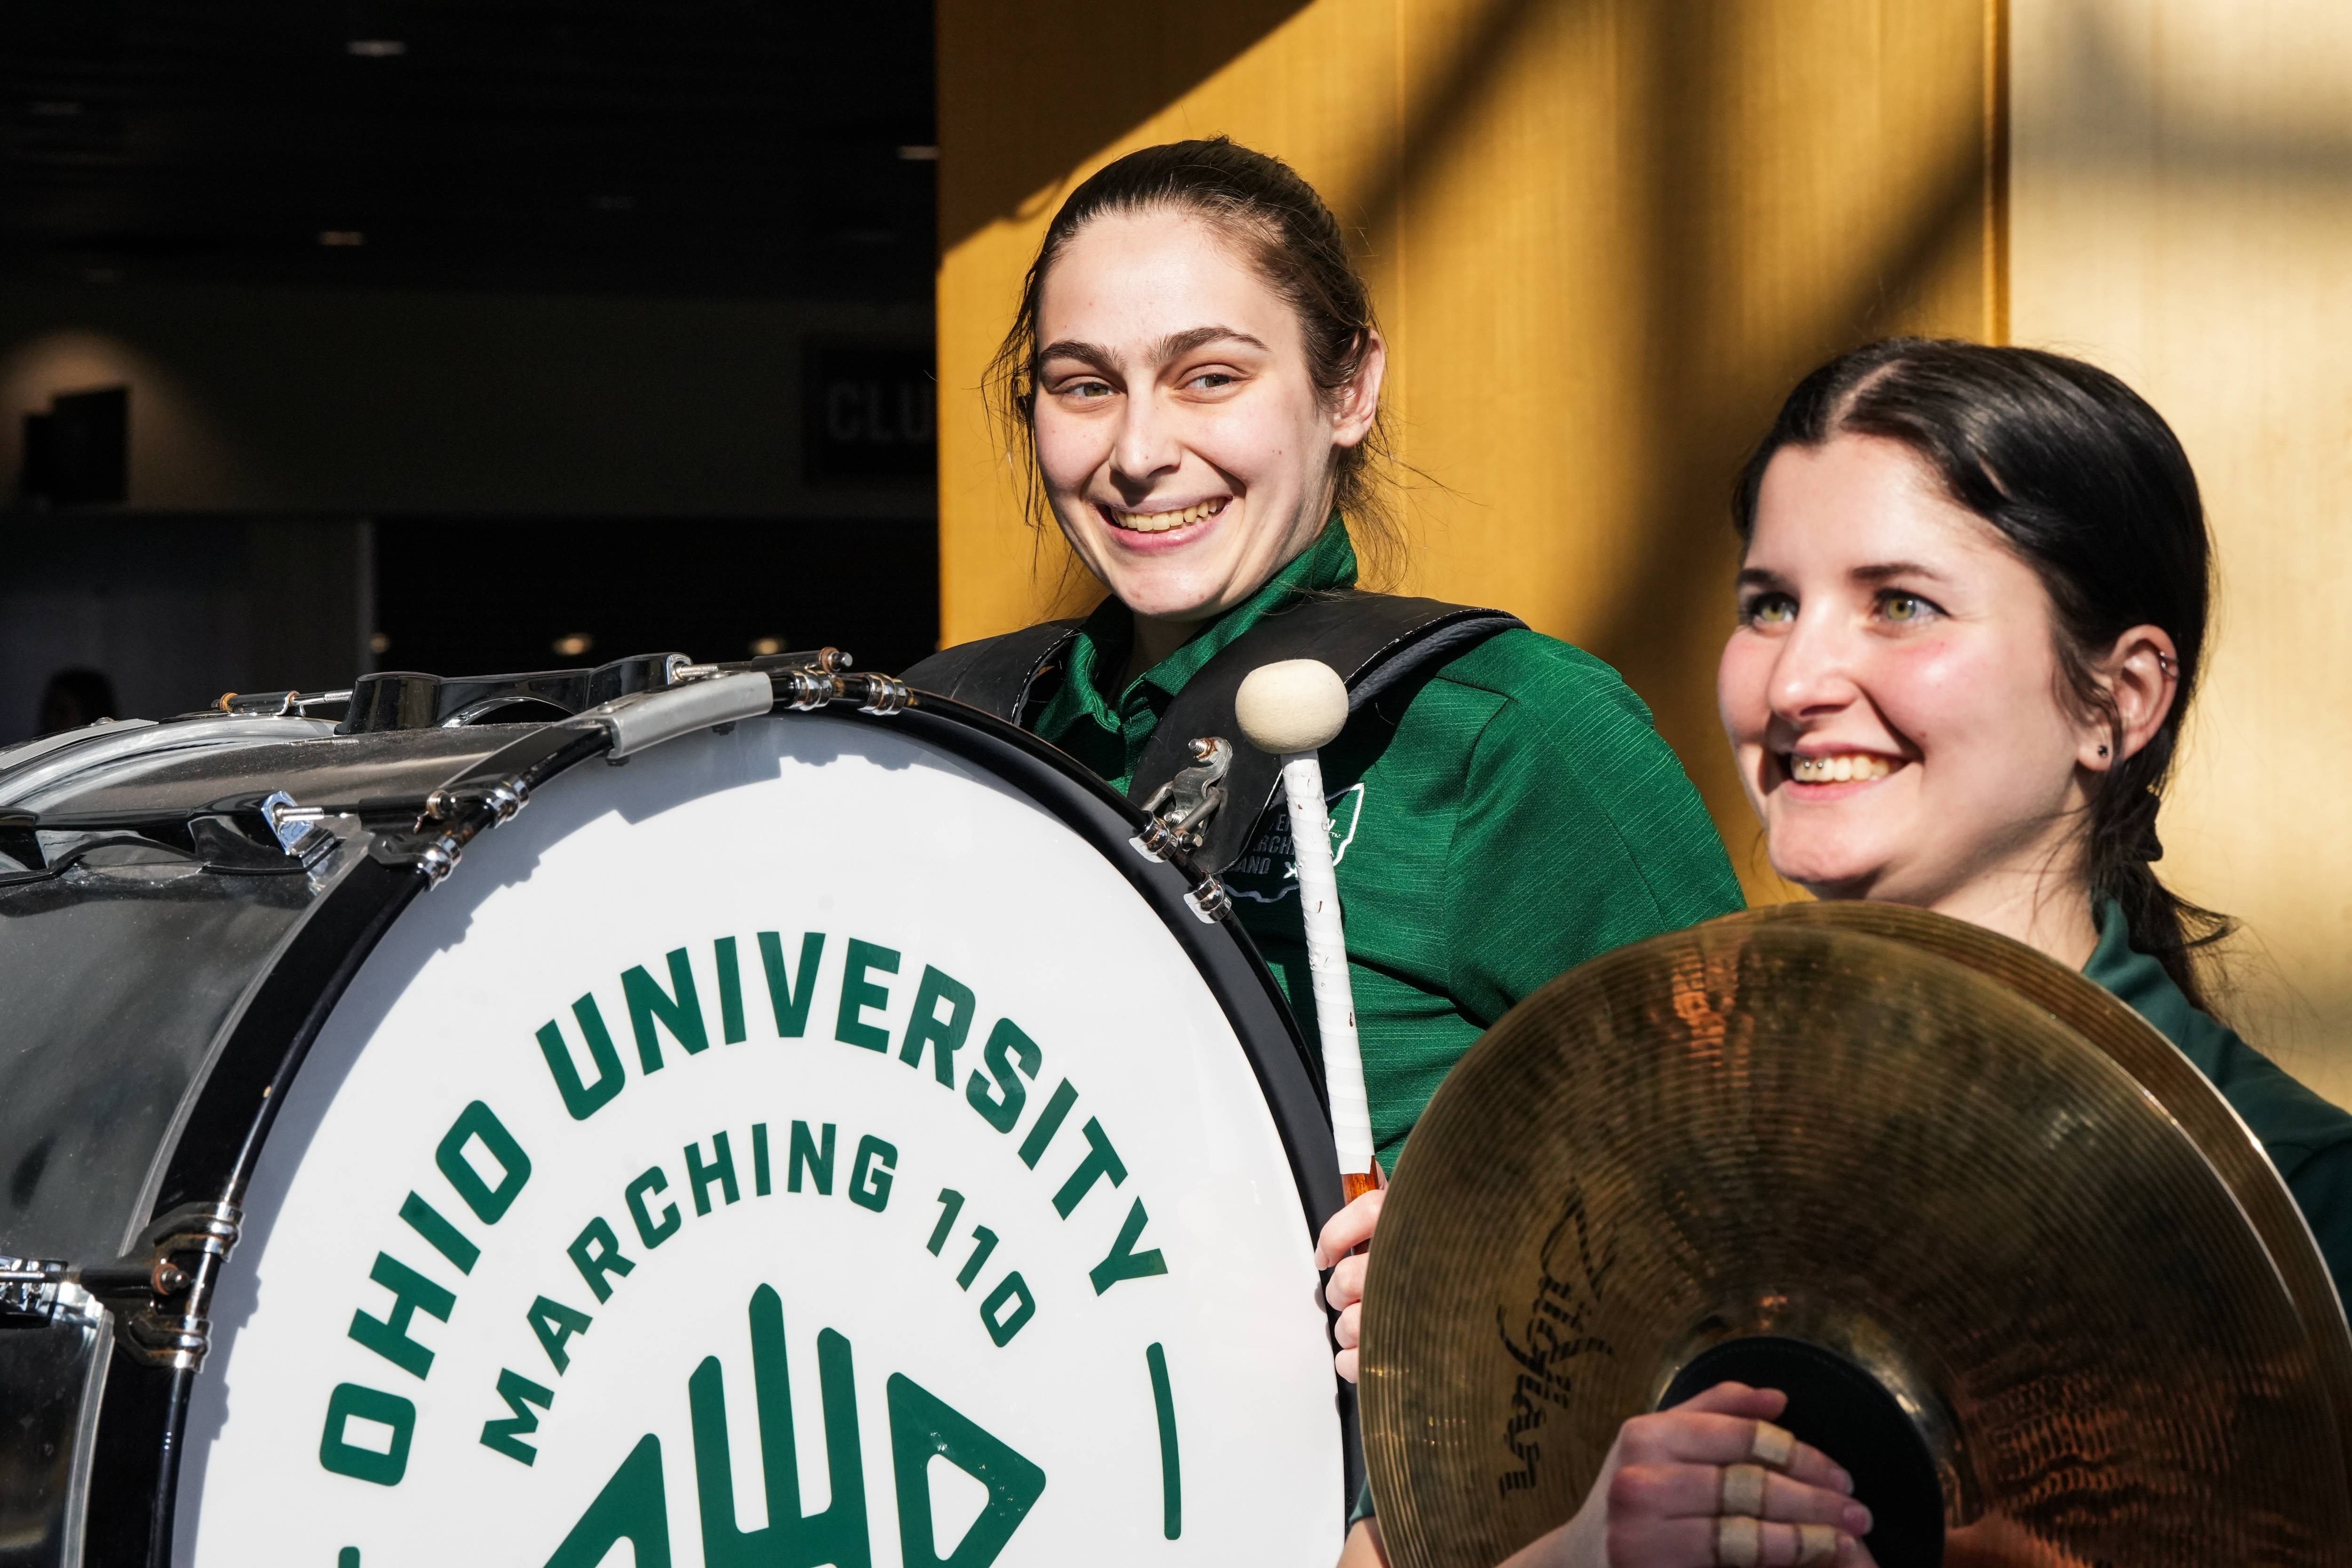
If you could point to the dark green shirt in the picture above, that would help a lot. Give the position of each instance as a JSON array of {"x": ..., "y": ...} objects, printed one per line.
[
  {"x": 2307, "y": 1137},
  {"x": 1495, "y": 822}
]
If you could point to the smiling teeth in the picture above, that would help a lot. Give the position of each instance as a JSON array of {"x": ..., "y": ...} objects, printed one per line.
[
  {"x": 1838, "y": 770},
  {"x": 1162, "y": 521}
]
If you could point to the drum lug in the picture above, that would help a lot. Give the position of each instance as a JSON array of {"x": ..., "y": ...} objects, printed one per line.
[
  {"x": 806, "y": 690},
  {"x": 300, "y": 830},
  {"x": 1176, "y": 821},
  {"x": 1209, "y": 900},
  {"x": 439, "y": 858},
  {"x": 1182, "y": 809},
  {"x": 160, "y": 1291},
  {"x": 882, "y": 693},
  {"x": 503, "y": 799}
]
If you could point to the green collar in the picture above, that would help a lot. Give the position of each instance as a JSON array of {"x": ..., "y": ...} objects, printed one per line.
[
  {"x": 2291, "y": 1121},
  {"x": 2139, "y": 980},
  {"x": 1102, "y": 643}
]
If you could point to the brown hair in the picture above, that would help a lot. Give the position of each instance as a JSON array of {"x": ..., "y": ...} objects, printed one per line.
[
  {"x": 2089, "y": 487},
  {"x": 1261, "y": 206}
]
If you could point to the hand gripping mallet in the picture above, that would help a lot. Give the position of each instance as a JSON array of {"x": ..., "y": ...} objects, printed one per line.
[{"x": 1292, "y": 710}]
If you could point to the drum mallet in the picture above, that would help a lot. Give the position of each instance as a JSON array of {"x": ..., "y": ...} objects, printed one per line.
[{"x": 1292, "y": 709}]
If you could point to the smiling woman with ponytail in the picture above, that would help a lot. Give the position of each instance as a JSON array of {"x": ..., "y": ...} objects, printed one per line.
[{"x": 1190, "y": 394}]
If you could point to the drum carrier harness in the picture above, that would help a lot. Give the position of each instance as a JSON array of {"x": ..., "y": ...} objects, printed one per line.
[{"x": 1204, "y": 792}]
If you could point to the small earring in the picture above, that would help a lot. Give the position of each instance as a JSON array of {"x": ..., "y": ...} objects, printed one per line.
[{"x": 2103, "y": 750}]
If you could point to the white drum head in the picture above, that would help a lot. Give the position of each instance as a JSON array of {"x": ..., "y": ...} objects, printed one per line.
[{"x": 1002, "y": 1260}]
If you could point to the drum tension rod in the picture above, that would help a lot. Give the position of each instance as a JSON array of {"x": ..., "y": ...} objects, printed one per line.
[
  {"x": 276, "y": 704},
  {"x": 699, "y": 696},
  {"x": 158, "y": 1292},
  {"x": 806, "y": 690}
]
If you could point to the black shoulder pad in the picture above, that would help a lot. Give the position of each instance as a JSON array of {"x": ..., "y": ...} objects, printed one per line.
[
  {"x": 994, "y": 674},
  {"x": 1373, "y": 640}
]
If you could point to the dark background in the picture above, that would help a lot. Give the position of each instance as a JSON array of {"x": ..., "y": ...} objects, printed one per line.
[{"x": 454, "y": 329}]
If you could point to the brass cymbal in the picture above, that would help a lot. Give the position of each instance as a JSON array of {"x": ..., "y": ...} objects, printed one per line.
[
  {"x": 1914, "y": 1193},
  {"x": 2141, "y": 1050}
]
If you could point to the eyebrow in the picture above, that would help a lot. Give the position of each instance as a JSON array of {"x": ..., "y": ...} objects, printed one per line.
[
  {"x": 1172, "y": 346},
  {"x": 1879, "y": 572},
  {"x": 1179, "y": 343},
  {"x": 1885, "y": 569},
  {"x": 1093, "y": 354}
]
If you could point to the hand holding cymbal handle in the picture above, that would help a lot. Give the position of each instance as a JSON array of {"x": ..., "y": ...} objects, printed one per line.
[{"x": 1292, "y": 709}]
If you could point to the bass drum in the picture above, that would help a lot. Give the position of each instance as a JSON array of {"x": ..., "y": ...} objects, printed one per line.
[{"x": 825, "y": 1139}]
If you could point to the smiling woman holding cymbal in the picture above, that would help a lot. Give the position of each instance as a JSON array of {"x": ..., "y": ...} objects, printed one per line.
[{"x": 1973, "y": 603}]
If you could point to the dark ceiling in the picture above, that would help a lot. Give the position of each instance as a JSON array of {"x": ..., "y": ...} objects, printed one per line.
[{"x": 746, "y": 147}]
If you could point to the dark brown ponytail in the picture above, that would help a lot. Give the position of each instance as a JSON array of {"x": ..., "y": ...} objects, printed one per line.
[
  {"x": 1261, "y": 205},
  {"x": 2090, "y": 487}
]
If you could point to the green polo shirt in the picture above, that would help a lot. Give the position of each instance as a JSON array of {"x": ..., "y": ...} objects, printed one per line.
[
  {"x": 2307, "y": 1137},
  {"x": 1494, "y": 822}
]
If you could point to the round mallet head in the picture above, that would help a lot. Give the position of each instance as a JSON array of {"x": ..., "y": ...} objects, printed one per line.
[{"x": 1297, "y": 705}]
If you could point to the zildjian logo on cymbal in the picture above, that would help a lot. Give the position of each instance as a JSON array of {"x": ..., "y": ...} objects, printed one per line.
[{"x": 1553, "y": 1337}]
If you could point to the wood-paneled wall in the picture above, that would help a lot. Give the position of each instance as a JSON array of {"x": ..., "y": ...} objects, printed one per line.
[
  {"x": 1606, "y": 236},
  {"x": 2183, "y": 215}
]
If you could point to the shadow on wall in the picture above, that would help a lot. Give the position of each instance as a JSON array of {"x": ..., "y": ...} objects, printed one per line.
[
  {"x": 1001, "y": 163},
  {"x": 1707, "y": 407},
  {"x": 2099, "y": 113}
]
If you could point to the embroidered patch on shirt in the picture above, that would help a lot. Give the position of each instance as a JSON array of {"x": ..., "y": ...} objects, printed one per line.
[{"x": 1267, "y": 871}]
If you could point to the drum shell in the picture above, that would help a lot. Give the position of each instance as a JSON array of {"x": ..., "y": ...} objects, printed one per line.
[{"x": 160, "y": 985}]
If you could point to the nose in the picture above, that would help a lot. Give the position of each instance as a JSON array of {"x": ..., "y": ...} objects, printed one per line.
[
  {"x": 1815, "y": 672},
  {"x": 1146, "y": 448}
]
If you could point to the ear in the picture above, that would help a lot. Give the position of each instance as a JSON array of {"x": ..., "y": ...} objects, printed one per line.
[
  {"x": 2142, "y": 675},
  {"x": 1358, "y": 402}
]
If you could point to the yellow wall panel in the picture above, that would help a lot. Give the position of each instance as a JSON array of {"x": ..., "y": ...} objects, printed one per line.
[
  {"x": 1605, "y": 237},
  {"x": 2183, "y": 215}
]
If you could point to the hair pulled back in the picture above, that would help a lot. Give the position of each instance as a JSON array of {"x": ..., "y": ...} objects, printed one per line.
[
  {"x": 2091, "y": 489},
  {"x": 1259, "y": 205}
]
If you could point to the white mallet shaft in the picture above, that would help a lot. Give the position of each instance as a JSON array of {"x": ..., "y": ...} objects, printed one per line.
[{"x": 1292, "y": 710}]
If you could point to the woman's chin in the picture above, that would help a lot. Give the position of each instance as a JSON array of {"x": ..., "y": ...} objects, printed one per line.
[
  {"x": 1168, "y": 590},
  {"x": 1829, "y": 874}
]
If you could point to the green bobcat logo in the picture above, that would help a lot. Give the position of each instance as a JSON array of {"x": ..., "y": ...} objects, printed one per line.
[{"x": 632, "y": 1507}]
